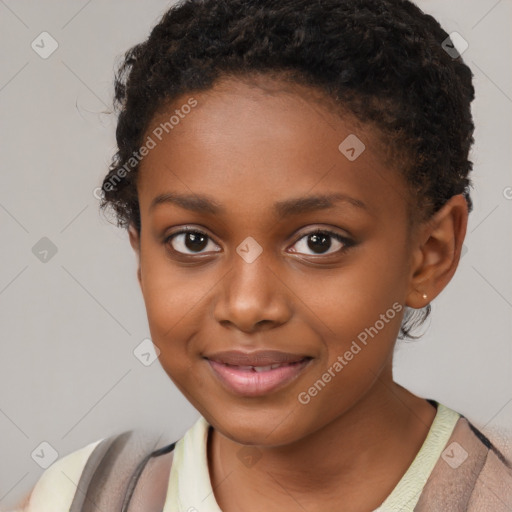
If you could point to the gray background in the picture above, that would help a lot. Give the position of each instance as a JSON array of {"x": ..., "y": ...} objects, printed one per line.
[{"x": 68, "y": 374}]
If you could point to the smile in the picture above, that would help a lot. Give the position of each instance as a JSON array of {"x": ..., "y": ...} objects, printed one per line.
[{"x": 249, "y": 380}]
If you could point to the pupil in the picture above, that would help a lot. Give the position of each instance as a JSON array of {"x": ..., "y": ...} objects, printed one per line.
[
  {"x": 323, "y": 240},
  {"x": 195, "y": 241}
]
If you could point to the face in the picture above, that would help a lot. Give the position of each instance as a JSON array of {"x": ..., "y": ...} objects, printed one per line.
[{"x": 283, "y": 242}]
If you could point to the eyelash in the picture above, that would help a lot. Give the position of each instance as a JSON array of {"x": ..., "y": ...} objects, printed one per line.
[{"x": 347, "y": 243}]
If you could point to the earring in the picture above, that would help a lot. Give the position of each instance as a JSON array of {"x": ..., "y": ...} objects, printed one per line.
[{"x": 424, "y": 295}]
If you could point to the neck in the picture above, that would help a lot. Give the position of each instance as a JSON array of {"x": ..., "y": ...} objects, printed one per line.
[{"x": 377, "y": 438}]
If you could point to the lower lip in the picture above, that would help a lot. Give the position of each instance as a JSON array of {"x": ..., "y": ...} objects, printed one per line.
[{"x": 252, "y": 383}]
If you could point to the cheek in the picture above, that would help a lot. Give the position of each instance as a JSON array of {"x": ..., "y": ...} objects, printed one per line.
[
  {"x": 358, "y": 349},
  {"x": 357, "y": 312},
  {"x": 175, "y": 305},
  {"x": 347, "y": 300}
]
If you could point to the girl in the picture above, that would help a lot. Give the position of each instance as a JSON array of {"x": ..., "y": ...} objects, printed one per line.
[{"x": 294, "y": 178}]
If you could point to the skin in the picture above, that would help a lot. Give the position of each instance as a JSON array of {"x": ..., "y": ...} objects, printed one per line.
[{"x": 247, "y": 146}]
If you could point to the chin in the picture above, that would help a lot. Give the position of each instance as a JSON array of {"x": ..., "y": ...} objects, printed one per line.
[{"x": 259, "y": 427}]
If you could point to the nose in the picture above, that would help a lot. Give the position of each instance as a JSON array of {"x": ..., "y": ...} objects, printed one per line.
[{"x": 252, "y": 296}]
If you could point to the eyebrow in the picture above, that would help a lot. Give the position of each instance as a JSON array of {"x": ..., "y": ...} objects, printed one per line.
[{"x": 289, "y": 207}]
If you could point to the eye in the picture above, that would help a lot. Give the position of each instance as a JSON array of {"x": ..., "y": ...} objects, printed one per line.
[
  {"x": 320, "y": 241},
  {"x": 191, "y": 240}
]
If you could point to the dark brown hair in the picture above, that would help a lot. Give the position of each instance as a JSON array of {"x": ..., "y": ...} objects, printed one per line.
[{"x": 382, "y": 61}]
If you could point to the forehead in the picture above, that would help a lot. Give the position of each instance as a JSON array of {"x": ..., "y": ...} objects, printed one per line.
[{"x": 253, "y": 144}]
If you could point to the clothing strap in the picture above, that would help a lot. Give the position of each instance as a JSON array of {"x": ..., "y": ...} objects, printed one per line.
[
  {"x": 147, "y": 493},
  {"x": 471, "y": 474},
  {"x": 114, "y": 469}
]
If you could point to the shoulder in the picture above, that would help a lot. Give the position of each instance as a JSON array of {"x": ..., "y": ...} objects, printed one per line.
[
  {"x": 56, "y": 487},
  {"x": 472, "y": 472},
  {"x": 123, "y": 460},
  {"x": 493, "y": 487}
]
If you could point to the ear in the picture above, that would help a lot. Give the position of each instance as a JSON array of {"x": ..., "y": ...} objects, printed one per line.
[
  {"x": 135, "y": 243},
  {"x": 436, "y": 251}
]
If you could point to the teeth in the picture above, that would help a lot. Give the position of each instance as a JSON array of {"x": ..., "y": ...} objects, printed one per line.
[
  {"x": 262, "y": 368},
  {"x": 259, "y": 368}
]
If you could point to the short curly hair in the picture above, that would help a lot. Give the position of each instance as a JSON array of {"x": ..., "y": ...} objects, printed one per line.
[{"x": 381, "y": 61}]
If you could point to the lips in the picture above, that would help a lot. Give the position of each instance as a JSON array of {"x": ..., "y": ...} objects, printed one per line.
[
  {"x": 258, "y": 368},
  {"x": 261, "y": 358},
  {"x": 256, "y": 373}
]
